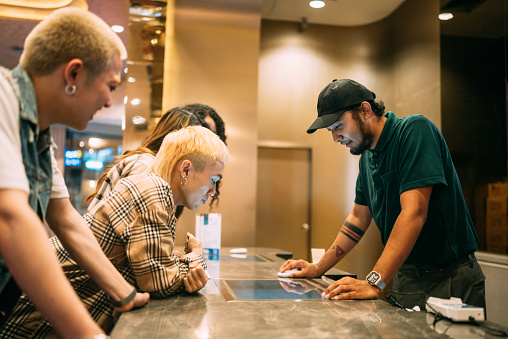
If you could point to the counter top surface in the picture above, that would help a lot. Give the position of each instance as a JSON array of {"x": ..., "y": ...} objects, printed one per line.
[{"x": 211, "y": 314}]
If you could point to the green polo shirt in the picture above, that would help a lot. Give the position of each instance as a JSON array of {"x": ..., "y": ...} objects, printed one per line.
[{"x": 412, "y": 153}]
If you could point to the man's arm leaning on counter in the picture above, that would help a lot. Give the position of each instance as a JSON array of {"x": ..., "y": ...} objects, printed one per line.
[
  {"x": 77, "y": 238},
  {"x": 407, "y": 228},
  {"x": 25, "y": 248},
  {"x": 355, "y": 225}
]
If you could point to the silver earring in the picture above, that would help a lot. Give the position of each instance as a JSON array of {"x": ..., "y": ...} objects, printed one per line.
[
  {"x": 70, "y": 90},
  {"x": 184, "y": 181}
]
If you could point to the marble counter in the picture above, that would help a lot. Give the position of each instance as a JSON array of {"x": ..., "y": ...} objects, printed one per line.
[{"x": 208, "y": 314}]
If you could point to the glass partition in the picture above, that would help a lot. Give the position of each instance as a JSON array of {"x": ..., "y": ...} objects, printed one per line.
[{"x": 145, "y": 69}]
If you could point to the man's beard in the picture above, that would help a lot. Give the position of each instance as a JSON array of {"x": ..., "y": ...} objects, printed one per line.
[{"x": 366, "y": 141}]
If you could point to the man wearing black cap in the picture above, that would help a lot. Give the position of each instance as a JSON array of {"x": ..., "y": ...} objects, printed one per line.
[{"x": 408, "y": 184}]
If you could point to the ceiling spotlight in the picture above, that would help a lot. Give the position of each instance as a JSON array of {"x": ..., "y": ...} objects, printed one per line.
[
  {"x": 95, "y": 142},
  {"x": 117, "y": 28},
  {"x": 445, "y": 16},
  {"x": 139, "y": 122},
  {"x": 317, "y": 4}
]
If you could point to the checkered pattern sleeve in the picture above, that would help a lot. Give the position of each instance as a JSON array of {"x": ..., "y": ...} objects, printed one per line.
[
  {"x": 141, "y": 212},
  {"x": 135, "y": 164}
]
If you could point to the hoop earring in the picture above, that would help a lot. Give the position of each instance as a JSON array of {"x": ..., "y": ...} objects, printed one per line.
[
  {"x": 184, "y": 181},
  {"x": 70, "y": 90}
]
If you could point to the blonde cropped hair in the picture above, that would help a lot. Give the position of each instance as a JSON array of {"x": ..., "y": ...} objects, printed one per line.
[
  {"x": 195, "y": 143},
  {"x": 70, "y": 33}
]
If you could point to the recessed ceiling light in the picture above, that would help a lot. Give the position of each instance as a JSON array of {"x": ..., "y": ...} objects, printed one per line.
[
  {"x": 117, "y": 28},
  {"x": 445, "y": 16},
  {"x": 138, "y": 120},
  {"x": 317, "y": 4}
]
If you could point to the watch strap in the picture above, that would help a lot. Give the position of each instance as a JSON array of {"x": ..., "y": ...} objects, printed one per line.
[{"x": 125, "y": 300}]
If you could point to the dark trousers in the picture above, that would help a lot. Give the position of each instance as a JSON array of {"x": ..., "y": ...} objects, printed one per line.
[{"x": 461, "y": 279}]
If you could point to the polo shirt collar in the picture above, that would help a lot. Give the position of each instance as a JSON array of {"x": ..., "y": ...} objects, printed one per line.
[{"x": 387, "y": 132}]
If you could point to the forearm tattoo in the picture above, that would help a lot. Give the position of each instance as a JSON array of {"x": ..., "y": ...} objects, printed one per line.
[
  {"x": 339, "y": 252},
  {"x": 352, "y": 232}
]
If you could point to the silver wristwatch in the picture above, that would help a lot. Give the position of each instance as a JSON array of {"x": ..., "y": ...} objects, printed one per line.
[{"x": 375, "y": 279}]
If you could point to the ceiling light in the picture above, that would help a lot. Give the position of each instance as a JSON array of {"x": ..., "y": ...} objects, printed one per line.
[
  {"x": 140, "y": 123},
  {"x": 445, "y": 16},
  {"x": 135, "y": 102},
  {"x": 317, "y": 4},
  {"x": 138, "y": 120},
  {"x": 131, "y": 79},
  {"x": 117, "y": 28},
  {"x": 95, "y": 142}
]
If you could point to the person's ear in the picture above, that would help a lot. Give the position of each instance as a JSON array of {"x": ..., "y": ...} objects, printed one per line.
[
  {"x": 72, "y": 71},
  {"x": 186, "y": 167},
  {"x": 365, "y": 109}
]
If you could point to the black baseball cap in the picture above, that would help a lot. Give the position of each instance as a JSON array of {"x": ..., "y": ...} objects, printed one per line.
[{"x": 336, "y": 98}]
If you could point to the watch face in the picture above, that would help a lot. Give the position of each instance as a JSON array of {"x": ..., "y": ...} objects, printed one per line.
[{"x": 373, "y": 277}]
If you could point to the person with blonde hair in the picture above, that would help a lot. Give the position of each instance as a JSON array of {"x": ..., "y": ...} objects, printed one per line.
[
  {"x": 135, "y": 226},
  {"x": 71, "y": 63},
  {"x": 215, "y": 124},
  {"x": 138, "y": 160}
]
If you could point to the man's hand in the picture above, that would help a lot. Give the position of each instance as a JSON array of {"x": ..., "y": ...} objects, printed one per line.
[
  {"x": 196, "y": 279},
  {"x": 306, "y": 269},
  {"x": 349, "y": 288},
  {"x": 193, "y": 244}
]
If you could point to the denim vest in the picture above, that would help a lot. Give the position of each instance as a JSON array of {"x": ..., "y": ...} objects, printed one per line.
[
  {"x": 35, "y": 145},
  {"x": 35, "y": 148}
]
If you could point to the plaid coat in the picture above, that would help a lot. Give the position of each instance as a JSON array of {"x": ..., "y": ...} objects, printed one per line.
[
  {"x": 134, "y": 164},
  {"x": 135, "y": 227}
]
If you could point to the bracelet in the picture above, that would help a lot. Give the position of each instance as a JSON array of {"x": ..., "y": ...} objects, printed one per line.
[{"x": 125, "y": 300}]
